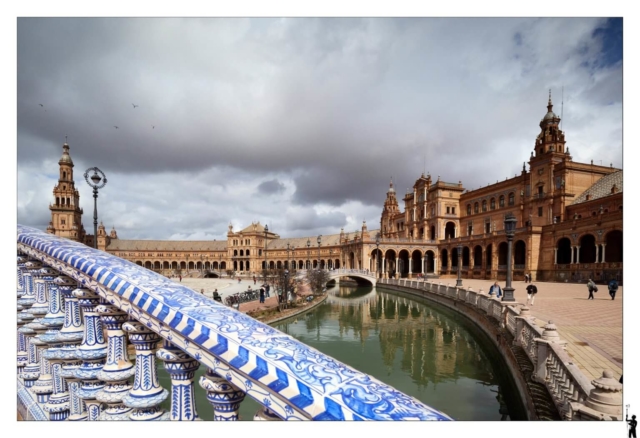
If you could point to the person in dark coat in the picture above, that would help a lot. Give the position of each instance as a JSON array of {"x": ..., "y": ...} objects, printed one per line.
[
  {"x": 262, "y": 295},
  {"x": 613, "y": 288},
  {"x": 592, "y": 288}
]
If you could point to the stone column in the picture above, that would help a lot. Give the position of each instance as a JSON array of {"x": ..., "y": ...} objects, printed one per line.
[
  {"x": 555, "y": 256},
  {"x": 424, "y": 266},
  {"x": 604, "y": 245},
  {"x": 182, "y": 368},
  {"x": 572, "y": 251},
  {"x": 91, "y": 351},
  {"x": 578, "y": 254},
  {"x": 435, "y": 264},
  {"x": 398, "y": 273},
  {"x": 147, "y": 394},
  {"x": 118, "y": 370},
  {"x": 223, "y": 396}
]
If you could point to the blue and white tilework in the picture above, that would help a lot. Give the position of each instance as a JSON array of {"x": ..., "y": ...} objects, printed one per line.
[{"x": 291, "y": 379}]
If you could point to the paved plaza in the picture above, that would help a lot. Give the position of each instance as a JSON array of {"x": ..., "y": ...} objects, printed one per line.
[{"x": 592, "y": 328}]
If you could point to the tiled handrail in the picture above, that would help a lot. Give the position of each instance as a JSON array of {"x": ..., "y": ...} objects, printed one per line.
[
  {"x": 568, "y": 386},
  {"x": 289, "y": 379}
]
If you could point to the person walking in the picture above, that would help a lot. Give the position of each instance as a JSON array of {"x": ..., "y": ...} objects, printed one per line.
[
  {"x": 613, "y": 288},
  {"x": 495, "y": 289},
  {"x": 592, "y": 288},
  {"x": 532, "y": 290},
  {"x": 180, "y": 278},
  {"x": 254, "y": 279},
  {"x": 266, "y": 290},
  {"x": 262, "y": 295}
]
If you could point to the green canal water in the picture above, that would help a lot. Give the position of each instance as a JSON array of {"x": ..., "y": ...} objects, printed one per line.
[{"x": 419, "y": 348}]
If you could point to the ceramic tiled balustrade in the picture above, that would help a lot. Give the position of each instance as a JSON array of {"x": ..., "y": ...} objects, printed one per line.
[{"x": 72, "y": 360}]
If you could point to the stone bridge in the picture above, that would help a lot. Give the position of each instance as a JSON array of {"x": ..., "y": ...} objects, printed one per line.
[{"x": 362, "y": 274}]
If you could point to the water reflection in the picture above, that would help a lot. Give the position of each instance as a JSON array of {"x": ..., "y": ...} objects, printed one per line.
[{"x": 429, "y": 353}]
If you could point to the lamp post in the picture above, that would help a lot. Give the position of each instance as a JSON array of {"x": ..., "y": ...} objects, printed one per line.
[
  {"x": 319, "y": 240},
  {"x": 510, "y": 230},
  {"x": 284, "y": 289},
  {"x": 330, "y": 266},
  {"x": 266, "y": 230},
  {"x": 308, "y": 251},
  {"x": 220, "y": 265},
  {"x": 377, "y": 255},
  {"x": 201, "y": 264},
  {"x": 459, "y": 281},
  {"x": 98, "y": 181}
]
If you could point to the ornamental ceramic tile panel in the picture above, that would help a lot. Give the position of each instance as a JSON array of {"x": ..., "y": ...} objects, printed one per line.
[{"x": 285, "y": 375}]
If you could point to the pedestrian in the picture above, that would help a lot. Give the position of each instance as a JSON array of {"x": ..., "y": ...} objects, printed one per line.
[
  {"x": 532, "y": 290},
  {"x": 613, "y": 288},
  {"x": 495, "y": 289},
  {"x": 254, "y": 279},
  {"x": 266, "y": 289},
  {"x": 262, "y": 295},
  {"x": 202, "y": 291},
  {"x": 216, "y": 296},
  {"x": 239, "y": 280},
  {"x": 592, "y": 288},
  {"x": 180, "y": 278}
]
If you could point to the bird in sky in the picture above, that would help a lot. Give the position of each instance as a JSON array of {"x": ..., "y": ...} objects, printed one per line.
[
  {"x": 115, "y": 127},
  {"x": 135, "y": 106},
  {"x": 153, "y": 127},
  {"x": 41, "y": 105}
]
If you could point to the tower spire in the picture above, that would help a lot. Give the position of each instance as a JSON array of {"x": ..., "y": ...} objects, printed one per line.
[{"x": 549, "y": 105}]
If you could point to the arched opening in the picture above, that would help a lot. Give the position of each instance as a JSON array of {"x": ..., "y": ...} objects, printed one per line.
[
  {"x": 241, "y": 253},
  {"x": 390, "y": 263},
  {"x": 207, "y": 266},
  {"x": 613, "y": 250},
  {"x": 519, "y": 255},
  {"x": 279, "y": 265},
  {"x": 156, "y": 265},
  {"x": 148, "y": 265},
  {"x": 433, "y": 232},
  {"x": 376, "y": 261},
  {"x": 235, "y": 265},
  {"x": 223, "y": 265},
  {"x": 199, "y": 266},
  {"x": 352, "y": 260},
  {"x": 588, "y": 249},
  {"x": 174, "y": 265},
  {"x": 336, "y": 263},
  {"x": 466, "y": 256},
  {"x": 235, "y": 252},
  {"x": 190, "y": 265},
  {"x": 403, "y": 263},
  {"x": 444, "y": 259},
  {"x": 416, "y": 262},
  {"x": 450, "y": 230},
  {"x": 488, "y": 261},
  {"x": 477, "y": 257},
  {"x": 430, "y": 261},
  {"x": 165, "y": 265},
  {"x": 454, "y": 257},
  {"x": 139, "y": 263},
  {"x": 300, "y": 264},
  {"x": 564, "y": 251},
  {"x": 493, "y": 203},
  {"x": 247, "y": 252},
  {"x": 183, "y": 265},
  {"x": 272, "y": 265},
  {"x": 501, "y": 202},
  {"x": 512, "y": 198},
  {"x": 503, "y": 250}
]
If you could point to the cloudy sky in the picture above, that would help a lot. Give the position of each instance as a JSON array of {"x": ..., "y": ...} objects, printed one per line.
[{"x": 298, "y": 123}]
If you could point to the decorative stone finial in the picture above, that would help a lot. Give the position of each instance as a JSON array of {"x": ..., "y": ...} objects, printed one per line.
[
  {"x": 550, "y": 332},
  {"x": 606, "y": 396}
]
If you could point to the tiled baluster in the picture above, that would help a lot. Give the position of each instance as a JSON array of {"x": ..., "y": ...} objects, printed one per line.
[
  {"x": 21, "y": 260},
  {"x": 31, "y": 370},
  {"x": 58, "y": 404},
  {"x": 91, "y": 351},
  {"x": 223, "y": 396},
  {"x": 181, "y": 367},
  {"x": 70, "y": 336},
  {"x": 147, "y": 394},
  {"x": 118, "y": 370},
  {"x": 29, "y": 293}
]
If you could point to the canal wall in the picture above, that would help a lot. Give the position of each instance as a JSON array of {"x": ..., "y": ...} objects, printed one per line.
[{"x": 532, "y": 394}]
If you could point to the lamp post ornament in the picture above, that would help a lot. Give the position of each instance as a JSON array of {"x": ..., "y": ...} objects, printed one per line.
[
  {"x": 98, "y": 181},
  {"x": 308, "y": 250},
  {"x": 319, "y": 240},
  {"x": 377, "y": 255}
]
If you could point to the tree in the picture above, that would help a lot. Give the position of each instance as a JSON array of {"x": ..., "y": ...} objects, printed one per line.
[
  {"x": 317, "y": 279},
  {"x": 285, "y": 281},
  {"x": 231, "y": 272}
]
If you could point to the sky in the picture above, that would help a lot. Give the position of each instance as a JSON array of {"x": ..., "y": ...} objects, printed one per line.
[{"x": 298, "y": 123}]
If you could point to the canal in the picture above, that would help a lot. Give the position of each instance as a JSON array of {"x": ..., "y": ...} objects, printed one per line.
[{"x": 418, "y": 347}]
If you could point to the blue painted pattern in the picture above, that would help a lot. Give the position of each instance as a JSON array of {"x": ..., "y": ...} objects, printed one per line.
[{"x": 314, "y": 384}]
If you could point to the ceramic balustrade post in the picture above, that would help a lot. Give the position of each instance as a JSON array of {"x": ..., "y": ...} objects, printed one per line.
[
  {"x": 118, "y": 370},
  {"x": 223, "y": 396},
  {"x": 22, "y": 357},
  {"x": 25, "y": 266},
  {"x": 182, "y": 368},
  {"x": 31, "y": 371},
  {"x": 92, "y": 351},
  {"x": 58, "y": 403},
  {"x": 27, "y": 300},
  {"x": 146, "y": 394}
]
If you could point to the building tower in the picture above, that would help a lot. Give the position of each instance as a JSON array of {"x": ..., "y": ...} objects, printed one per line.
[
  {"x": 389, "y": 211},
  {"x": 66, "y": 214}
]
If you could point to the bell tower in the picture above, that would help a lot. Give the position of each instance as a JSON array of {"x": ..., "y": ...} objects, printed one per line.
[
  {"x": 550, "y": 140},
  {"x": 66, "y": 214},
  {"x": 389, "y": 210}
]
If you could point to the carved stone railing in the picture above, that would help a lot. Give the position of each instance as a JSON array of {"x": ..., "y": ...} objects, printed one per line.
[
  {"x": 574, "y": 396},
  {"x": 76, "y": 366}
]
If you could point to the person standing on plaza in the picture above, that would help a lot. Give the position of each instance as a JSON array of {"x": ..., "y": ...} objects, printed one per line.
[
  {"x": 254, "y": 279},
  {"x": 180, "y": 278},
  {"x": 266, "y": 290},
  {"x": 532, "y": 290},
  {"x": 495, "y": 289},
  {"x": 262, "y": 295},
  {"x": 592, "y": 288},
  {"x": 613, "y": 288}
]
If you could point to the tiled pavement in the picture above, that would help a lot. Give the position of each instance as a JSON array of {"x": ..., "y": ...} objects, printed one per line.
[{"x": 592, "y": 328}]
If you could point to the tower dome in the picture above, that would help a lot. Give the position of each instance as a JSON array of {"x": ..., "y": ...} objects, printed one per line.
[{"x": 66, "y": 158}]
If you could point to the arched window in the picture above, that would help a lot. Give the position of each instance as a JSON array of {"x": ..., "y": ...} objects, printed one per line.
[
  {"x": 64, "y": 175},
  {"x": 475, "y": 207},
  {"x": 468, "y": 209},
  {"x": 501, "y": 201},
  {"x": 247, "y": 253},
  {"x": 493, "y": 203},
  {"x": 512, "y": 198},
  {"x": 484, "y": 205}
]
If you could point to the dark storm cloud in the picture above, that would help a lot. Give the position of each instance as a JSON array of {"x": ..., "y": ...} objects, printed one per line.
[
  {"x": 271, "y": 187},
  {"x": 320, "y": 111}
]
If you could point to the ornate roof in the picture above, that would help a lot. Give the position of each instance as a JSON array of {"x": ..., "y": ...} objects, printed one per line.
[
  {"x": 602, "y": 188},
  {"x": 167, "y": 245}
]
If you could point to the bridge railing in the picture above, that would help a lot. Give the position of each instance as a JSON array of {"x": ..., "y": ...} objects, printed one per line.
[
  {"x": 576, "y": 398},
  {"x": 78, "y": 308}
]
